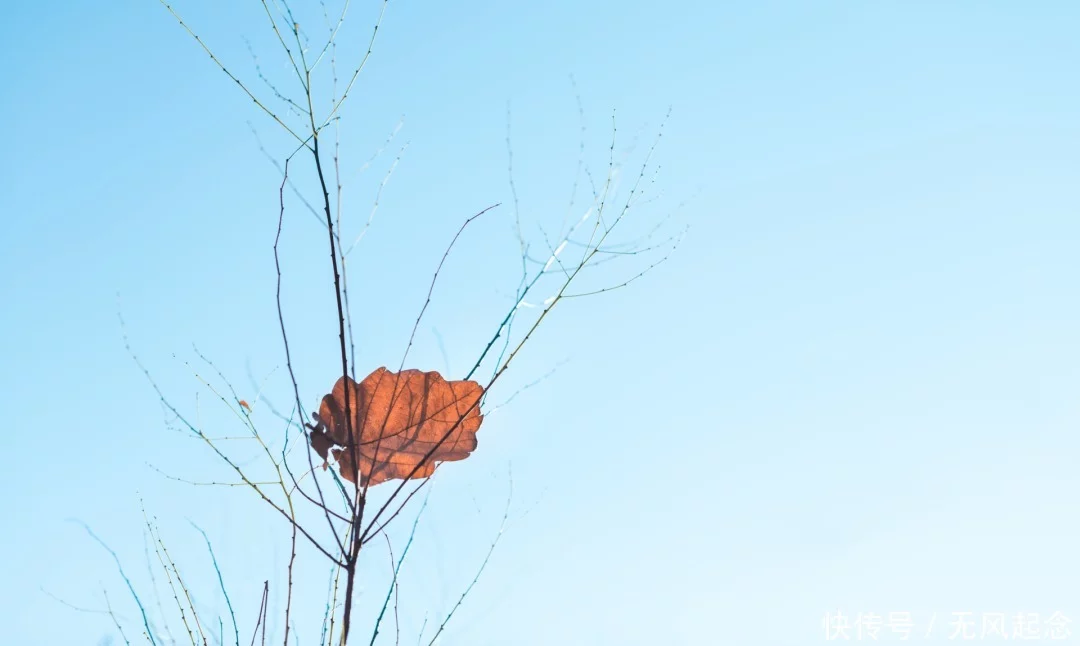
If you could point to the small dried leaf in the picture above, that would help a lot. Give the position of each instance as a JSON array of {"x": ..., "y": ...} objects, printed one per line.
[{"x": 397, "y": 420}]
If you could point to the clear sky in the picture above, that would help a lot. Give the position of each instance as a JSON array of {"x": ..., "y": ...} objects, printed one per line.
[{"x": 855, "y": 387}]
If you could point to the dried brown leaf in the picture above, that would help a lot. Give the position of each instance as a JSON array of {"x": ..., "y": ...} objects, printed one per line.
[{"x": 397, "y": 419}]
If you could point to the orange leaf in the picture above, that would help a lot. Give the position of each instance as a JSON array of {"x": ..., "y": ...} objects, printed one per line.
[{"x": 398, "y": 419}]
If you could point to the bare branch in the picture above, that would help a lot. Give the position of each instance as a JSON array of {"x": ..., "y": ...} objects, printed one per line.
[{"x": 238, "y": 82}]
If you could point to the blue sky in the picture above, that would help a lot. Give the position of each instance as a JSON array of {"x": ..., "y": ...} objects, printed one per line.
[{"x": 853, "y": 388}]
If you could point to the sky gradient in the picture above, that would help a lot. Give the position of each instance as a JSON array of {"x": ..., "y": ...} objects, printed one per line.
[{"x": 854, "y": 387}]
